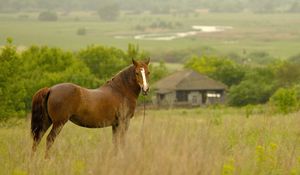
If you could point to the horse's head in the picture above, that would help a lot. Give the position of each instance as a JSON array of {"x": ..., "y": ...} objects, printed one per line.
[{"x": 142, "y": 74}]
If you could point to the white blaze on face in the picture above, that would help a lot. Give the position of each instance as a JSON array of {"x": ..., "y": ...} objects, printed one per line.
[{"x": 145, "y": 84}]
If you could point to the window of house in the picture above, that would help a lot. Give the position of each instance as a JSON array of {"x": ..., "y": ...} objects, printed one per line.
[
  {"x": 182, "y": 95},
  {"x": 213, "y": 95},
  {"x": 161, "y": 96}
]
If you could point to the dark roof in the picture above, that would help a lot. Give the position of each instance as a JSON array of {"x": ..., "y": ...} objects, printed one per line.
[{"x": 187, "y": 80}]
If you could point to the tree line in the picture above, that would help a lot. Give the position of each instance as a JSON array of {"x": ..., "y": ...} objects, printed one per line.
[
  {"x": 276, "y": 81},
  {"x": 23, "y": 73},
  {"x": 167, "y": 6}
]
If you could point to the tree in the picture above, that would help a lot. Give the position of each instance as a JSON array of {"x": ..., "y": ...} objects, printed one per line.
[
  {"x": 222, "y": 69},
  {"x": 260, "y": 58},
  {"x": 48, "y": 16},
  {"x": 12, "y": 90},
  {"x": 158, "y": 72},
  {"x": 45, "y": 67},
  {"x": 104, "y": 62},
  {"x": 295, "y": 7},
  {"x": 249, "y": 92},
  {"x": 256, "y": 88},
  {"x": 109, "y": 12},
  {"x": 288, "y": 73}
]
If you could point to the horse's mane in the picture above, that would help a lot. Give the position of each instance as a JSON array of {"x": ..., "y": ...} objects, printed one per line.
[
  {"x": 125, "y": 81},
  {"x": 124, "y": 73}
]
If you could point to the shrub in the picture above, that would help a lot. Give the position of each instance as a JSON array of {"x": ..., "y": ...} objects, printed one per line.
[
  {"x": 285, "y": 100},
  {"x": 23, "y": 16},
  {"x": 81, "y": 31},
  {"x": 256, "y": 87},
  {"x": 11, "y": 84},
  {"x": 44, "y": 66},
  {"x": 22, "y": 74},
  {"x": 140, "y": 27},
  {"x": 249, "y": 92},
  {"x": 48, "y": 16}
]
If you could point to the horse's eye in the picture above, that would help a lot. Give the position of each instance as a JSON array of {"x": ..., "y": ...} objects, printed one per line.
[
  {"x": 148, "y": 73},
  {"x": 136, "y": 73}
]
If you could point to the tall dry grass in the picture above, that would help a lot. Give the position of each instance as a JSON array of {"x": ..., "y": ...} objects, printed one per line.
[{"x": 197, "y": 141}]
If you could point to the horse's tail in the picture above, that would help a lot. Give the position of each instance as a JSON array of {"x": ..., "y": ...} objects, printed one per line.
[{"x": 39, "y": 113}]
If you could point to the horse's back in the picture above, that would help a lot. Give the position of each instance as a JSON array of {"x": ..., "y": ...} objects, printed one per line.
[
  {"x": 84, "y": 107},
  {"x": 65, "y": 93},
  {"x": 63, "y": 100}
]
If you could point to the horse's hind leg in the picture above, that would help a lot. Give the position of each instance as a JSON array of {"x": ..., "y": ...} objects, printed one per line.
[
  {"x": 56, "y": 128},
  {"x": 38, "y": 137}
]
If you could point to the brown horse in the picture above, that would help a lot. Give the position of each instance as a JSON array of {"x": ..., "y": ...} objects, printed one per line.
[{"x": 113, "y": 104}]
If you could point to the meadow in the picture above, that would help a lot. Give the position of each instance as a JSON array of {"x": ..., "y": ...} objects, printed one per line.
[
  {"x": 211, "y": 140},
  {"x": 214, "y": 140},
  {"x": 277, "y": 34}
]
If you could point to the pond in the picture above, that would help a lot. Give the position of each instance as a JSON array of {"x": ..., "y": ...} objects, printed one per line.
[{"x": 196, "y": 29}]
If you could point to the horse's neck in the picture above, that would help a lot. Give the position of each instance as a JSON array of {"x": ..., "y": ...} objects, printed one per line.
[{"x": 124, "y": 83}]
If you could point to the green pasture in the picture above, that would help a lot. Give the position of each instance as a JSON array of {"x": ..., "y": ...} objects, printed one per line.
[
  {"x": 278, "y": 34},
  {"x": 183, "y": 141}
]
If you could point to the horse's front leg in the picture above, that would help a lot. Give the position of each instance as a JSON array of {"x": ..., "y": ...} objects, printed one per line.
[{"x": 119, "y": 133}]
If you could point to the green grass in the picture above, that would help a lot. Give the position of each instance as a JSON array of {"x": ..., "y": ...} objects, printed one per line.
[
  {"x": 278, "y": 34},
  {"x": 181, "y": 141}
]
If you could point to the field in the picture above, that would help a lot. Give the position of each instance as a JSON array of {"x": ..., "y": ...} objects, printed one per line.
[
  {"x": 210, "y": 140},
  {"x": 277, "y": 34},
  {"x": 183, "y": 141}
]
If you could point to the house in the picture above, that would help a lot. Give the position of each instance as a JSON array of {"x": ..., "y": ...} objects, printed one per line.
[{"x": 188, "y": 88}]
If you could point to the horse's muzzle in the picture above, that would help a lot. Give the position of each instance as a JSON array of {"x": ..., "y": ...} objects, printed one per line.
[{"x": 145, "y": 91}]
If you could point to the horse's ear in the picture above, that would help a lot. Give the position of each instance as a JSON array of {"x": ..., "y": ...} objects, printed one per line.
[
  {"x": 147, "y": 61},
  {"x": 134, "y": 62}
]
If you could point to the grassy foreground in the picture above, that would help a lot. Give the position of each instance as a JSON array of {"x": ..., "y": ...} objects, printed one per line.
[{"x": 181, "y": 141}]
